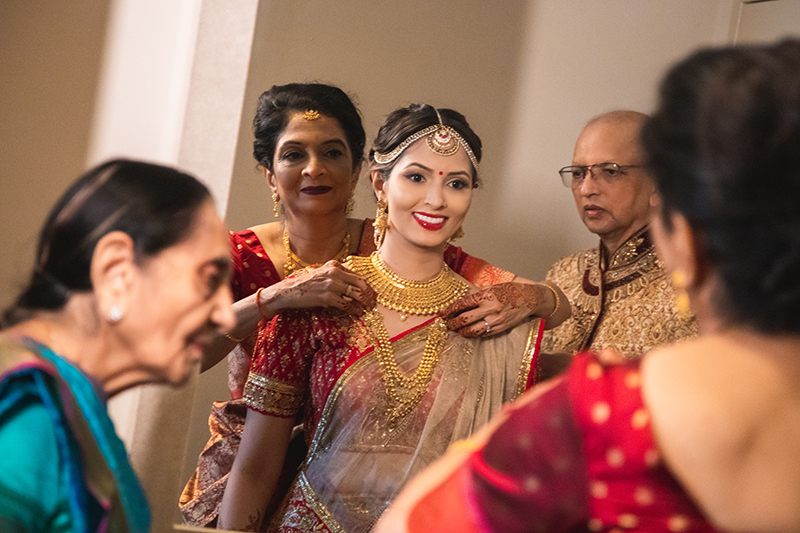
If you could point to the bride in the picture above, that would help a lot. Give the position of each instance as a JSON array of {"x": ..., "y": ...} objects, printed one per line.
[{"x": 386, "y": 393}]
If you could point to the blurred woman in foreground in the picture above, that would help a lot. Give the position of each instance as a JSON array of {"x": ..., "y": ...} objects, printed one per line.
[
  {"x": 706, "y": 434},
  {"x": 130, "y": 286}
]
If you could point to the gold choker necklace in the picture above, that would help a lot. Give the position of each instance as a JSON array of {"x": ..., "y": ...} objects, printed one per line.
[
  {"x": 409, "y": 297},
  {"x": 295, "y": 263}
]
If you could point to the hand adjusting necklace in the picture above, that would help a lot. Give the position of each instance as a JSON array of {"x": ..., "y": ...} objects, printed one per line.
[
  {"x": 409, "y": 297},
  {"x": 295, "y": 263}
]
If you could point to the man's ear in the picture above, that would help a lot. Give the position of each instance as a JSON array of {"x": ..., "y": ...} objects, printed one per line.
[
  {"x": 112, "y": 271},
  {"x": 378, "y": 185}
]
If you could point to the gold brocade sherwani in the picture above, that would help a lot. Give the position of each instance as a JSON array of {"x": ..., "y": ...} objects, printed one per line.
[{"x": 628, "y": 305}]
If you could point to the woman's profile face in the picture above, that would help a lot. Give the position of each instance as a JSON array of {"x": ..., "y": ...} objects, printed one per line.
[
  {"x": 428, "y": 195},
  {"x": 313, "y": 170},
  {"x": 180, "y": 301}
]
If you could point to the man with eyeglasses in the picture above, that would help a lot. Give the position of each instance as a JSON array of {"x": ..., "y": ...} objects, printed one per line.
[{"x": 620, "y": 295}]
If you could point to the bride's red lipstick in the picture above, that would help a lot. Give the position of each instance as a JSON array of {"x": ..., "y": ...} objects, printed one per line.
[{"x": 430, "y": 222}]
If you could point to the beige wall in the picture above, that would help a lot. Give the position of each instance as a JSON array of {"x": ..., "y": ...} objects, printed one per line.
[
  {"x": 527, "y": 74},
  {"x": 50, "y": 54}
]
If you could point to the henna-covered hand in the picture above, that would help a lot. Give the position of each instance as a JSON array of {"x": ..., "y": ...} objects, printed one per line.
[
  {"x": 493, "y": 309},
  {"x": 331, "y": 285},
  {"x": 500, "y": 307}
]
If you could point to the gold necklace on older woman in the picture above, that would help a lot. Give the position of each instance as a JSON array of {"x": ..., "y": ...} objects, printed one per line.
[
  {"x": 409, "y": 297},
  {"x": 295, "y": 263}
]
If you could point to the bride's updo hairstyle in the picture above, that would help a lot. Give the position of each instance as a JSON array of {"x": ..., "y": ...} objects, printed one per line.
[
  {"x": 724, "y": 150},
  {"x": 400, "y": 125}
]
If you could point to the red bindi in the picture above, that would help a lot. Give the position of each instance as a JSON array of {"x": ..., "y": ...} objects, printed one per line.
[{"x": 440, "y": 172}]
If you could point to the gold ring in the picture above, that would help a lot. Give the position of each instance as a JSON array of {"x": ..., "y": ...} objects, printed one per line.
[{"x": 349, "y": 291}]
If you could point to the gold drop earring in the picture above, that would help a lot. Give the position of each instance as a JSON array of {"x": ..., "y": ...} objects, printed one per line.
[
  {"x": 276, "y": 208},
  {"x": 458, "y": 234},
  {"x": 381, "y": 223},
  {"x": 681, "y": 296}
]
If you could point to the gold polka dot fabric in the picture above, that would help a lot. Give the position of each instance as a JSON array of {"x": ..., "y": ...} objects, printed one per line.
[
  {"x": 622, "y": 456},
  {"x": 580, "y": 456}
]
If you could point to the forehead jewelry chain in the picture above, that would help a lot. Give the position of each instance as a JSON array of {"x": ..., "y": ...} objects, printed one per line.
[{"x": 294, "y": 263}]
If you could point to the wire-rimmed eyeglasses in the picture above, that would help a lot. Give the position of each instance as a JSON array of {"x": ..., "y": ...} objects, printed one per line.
[{"x": 572, "y": 176}]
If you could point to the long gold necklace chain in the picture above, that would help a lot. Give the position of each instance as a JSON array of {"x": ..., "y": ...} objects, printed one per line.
[
  {"x": 409, "y": 297},
  {"x": 404, "y": 392},
  {"x": 295, "y": 263}
]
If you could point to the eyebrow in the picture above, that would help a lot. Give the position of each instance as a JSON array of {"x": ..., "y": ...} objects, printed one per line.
[
  {"x": 329, "y": 141},
  {"x": 222, "y": 263},
  {"x": 458, "y": 173}
]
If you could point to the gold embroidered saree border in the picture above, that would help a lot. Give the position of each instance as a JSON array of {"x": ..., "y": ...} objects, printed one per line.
[
  {"x": 272, "y": 397},
  {"x": 525, "y": 369},
  {"x": 312, "y": 501}
]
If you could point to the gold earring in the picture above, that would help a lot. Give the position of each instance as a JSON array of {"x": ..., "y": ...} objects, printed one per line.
[
  {"x": 350, "y": 203},
  {"x": 458, "y": 234},
  {"x": 381, "y": 223},
  {"x": 681, "y": 296},
  {"x": 276, "y": 208}
]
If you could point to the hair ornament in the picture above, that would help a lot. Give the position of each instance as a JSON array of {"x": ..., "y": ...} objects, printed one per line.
[
  {"x": 311, "y": 114},
  {"x": 442, "y": 140}
]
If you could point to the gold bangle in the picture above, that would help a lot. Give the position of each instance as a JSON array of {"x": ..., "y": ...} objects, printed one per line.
[
  {"x": 232, "y": 338},
  {"x": 558, "y": 300},
  {"x": 258, "y": 302}
]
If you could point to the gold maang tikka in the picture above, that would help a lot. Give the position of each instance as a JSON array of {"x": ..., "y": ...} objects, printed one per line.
[
  {"x": 442, "y": 140},
  {"x": 311, "y": 114}
]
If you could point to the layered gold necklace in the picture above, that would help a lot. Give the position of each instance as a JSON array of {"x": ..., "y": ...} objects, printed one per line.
[
  {"x": 295, "y": 263},
  {"x": 409, "y": 297}
]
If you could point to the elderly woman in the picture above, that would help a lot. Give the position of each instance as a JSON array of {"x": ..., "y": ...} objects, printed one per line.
[
  {"x": 704, "y": 436},
  {"x": 130, "y": 286}
]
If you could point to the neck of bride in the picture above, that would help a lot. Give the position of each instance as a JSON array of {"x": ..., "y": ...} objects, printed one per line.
[{"x": 410, "y": 261}]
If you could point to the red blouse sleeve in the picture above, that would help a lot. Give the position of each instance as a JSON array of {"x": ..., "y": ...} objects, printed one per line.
[
  {"x": 477, "y": 271},
  {"x": 279, "y": 373},
  {"x": 252, "y": 267}
]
